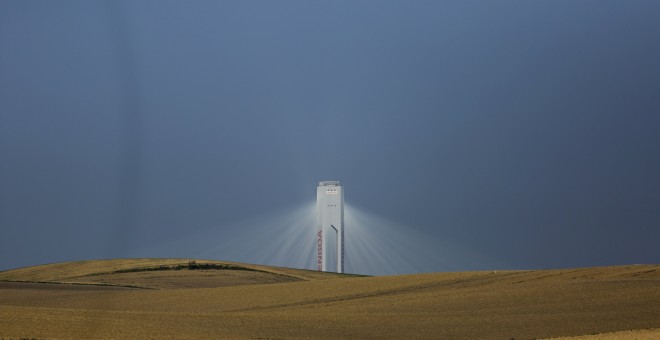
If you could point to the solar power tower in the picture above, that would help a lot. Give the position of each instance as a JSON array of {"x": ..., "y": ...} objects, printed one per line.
[{"x": 330, "y": 222}]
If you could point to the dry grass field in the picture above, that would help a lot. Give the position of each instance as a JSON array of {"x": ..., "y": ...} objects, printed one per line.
[{"x": 129, "y": 298}]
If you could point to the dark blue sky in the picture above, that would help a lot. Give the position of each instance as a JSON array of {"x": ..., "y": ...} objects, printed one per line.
[{"x": 527, "y": 130}]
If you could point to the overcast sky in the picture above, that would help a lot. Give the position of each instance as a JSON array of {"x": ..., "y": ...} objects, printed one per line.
[{"x": 528, "y": 131}]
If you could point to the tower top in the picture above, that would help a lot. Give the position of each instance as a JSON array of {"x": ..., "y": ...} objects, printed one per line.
[{"x": 329, "y": 184}]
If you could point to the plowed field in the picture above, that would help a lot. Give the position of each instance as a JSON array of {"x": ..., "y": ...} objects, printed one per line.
[{"x": 153, "y": 298}]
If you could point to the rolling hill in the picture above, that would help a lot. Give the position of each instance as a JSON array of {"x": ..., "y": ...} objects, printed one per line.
[{"x": 181, "y": 298}]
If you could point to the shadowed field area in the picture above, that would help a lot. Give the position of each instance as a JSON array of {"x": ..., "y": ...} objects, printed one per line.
[{"x": 132, "y": 298}]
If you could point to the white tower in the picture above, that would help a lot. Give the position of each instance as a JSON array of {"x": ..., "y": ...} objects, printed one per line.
[{"x": 330, "y": 222}]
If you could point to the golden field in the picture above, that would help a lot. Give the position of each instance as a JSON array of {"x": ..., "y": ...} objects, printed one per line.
[{"x": 129, "y": 298}]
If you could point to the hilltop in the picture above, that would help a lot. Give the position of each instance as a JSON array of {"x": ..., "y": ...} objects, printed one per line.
[
  {"x": 161, "y": 273},
  {"x": 183, "y": 298}
]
